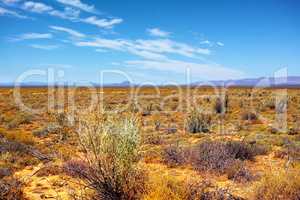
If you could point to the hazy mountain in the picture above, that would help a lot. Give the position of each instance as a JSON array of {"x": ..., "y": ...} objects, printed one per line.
[{"x": 291, "y": 81}]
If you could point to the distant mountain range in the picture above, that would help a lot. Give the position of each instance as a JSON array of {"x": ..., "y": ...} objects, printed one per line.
[{"x": 291, "y": 81}]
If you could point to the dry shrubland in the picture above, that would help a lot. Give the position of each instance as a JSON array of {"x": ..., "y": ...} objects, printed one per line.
[{"x": 216, "y": 147}]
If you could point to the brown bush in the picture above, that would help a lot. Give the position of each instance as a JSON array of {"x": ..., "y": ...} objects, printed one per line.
[
  {"x": 211, "y": 156},
  {"x": 250, "y": 116},
  {"x": 219, "y": 156},
  {"x": 238, "y": 172},
  {"x": 173, "y": 155},
  {"x": 19, "y": 119},
  {"x": 279, "y": 185},
  {"x": 11, "y": 189}
]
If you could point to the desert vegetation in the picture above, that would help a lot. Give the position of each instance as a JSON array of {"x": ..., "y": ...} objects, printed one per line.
[{"x": 217, "y": 147}]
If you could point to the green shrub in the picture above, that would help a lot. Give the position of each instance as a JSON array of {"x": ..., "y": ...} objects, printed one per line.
[{"x": 111, "y": 146}]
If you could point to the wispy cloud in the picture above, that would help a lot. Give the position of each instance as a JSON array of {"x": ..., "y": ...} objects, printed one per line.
[
  {"x": 7, "y": 12},
  {"x": 102, "y": 23},
  {"x": 201, "y": 71},
  {"x": 72, "y": 14},
  {"x": 44, "y": 47},
  {"x": 158, "y": 32},
  {"x": 33, "y": 36},
  {"x": 68, "y": 30},
  {"x": 220, "y": 44},
  {"x": 147, "y": 47},
  {"x": 104, "y": 43},
  {"x": 79, "y": 4},
  {"x": 67, "y": 13},
  {"x": 205, "y": 42},
  {"x": 36, "y": 7}
]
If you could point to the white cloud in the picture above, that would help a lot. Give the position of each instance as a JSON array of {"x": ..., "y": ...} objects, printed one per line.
[
  {"x": 36, "y": 7},
  {"x": 41, "y": 8},
  {"x": 4, "y": 11},
  {"x": 44, "y": 47},
  {"x": 102, "y": 23},
  {"x": 151, "y": 49},
  {"x": 200, "y": 71},
  {"x": 68, "y": 13},
  {"x": 220, "y": 44},
  {"x": 158, "y": 32},
  {"x": 33, "y": 36},
  {"x": 104, "y": 43},
  {"x": 147, "y": 54},
  {"x": 68, "y": 30},
  {"x": 170, "y": 46},
  {"x": 79, "y": 4},
  {"x": 205, "y": 42}
]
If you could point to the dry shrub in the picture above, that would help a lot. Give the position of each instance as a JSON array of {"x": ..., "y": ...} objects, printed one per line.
[
  {"x": 11, "y": 189},
  {"x": 49, "y": 170},
  {"x": 250, "y": 116},
  {"x": 154, "y": 139},
  {"x": 220, "y": 156},
  {"x": 19, "y": 119},
  {"x": 245, "y": 151},
  {"x": 20, "y": 136},
  {"x": 221, "y": 104},
  {"x": 210, "y": 155},
  {"x": 111, "y": 147},
  {"x": 198, "y": 122},
  {"x": 279, "y": 185},
  {"x": 238, "y": 172},
  {"x": 170, "y": 188},
  {"x": 173, "y": 155}
]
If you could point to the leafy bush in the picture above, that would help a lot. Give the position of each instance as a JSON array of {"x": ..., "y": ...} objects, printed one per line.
[
  {"x": 279, "y": 185},
  {"x": 198, "y": 122},
  {"x": 111, "y": 147}
]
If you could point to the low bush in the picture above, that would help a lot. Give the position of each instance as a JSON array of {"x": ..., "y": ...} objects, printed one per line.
[
  {"x": 220, "y": 156},
  {"x": 19, "y": 119},
  {"x": 250, "y": 116},
  {"x": 239, "y": 173},
  {"x": 167, "y": 188},
  {"x": 210, "y": 155},
  {"x": 173, "y": 155},
  {"x": 11, "y": 189},
  {"x": 154, "y": 139},
  {"x": 279, "y": 185},
  {"x": 198, "y": 122},
  {"x": 245, "y": 151},
  {"x": 20, "y": 136},
  {"x": 221, "y": 105}
]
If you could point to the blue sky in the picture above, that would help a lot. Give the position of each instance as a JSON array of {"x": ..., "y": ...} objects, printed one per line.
[{"x": 154, "y": 41}]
